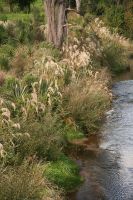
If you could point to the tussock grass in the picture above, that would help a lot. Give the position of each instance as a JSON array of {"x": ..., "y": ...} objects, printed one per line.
[
  {"x": 26, "y": 182},
  {"x": 86, "y": 101}
]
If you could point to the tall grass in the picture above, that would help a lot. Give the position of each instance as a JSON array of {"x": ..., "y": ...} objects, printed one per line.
[
  {"x": 86, "y": 101},
  {"x": 115, "y": 57},
  {"x": 26, "y": 182}
]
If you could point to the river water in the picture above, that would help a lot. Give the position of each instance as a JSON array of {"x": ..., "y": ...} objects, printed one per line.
[{"x": 108, "y": 165}]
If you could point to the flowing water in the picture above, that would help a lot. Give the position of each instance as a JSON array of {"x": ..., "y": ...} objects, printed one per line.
[{"x": 108, "y": 165}]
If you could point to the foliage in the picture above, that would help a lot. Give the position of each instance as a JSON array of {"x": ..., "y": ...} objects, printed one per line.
[
  {"x": 117, "y": 14},
  {"x": 115, "y": 17},
  {"x": 115, "y": 57},
  {"x": 86, "y": 102},
  {"x": 31, "y": 128},
  {"x": 26, "y": 182},
  {"x": 6, "y": 52},
  {"x": 3, "y": 35},
  {"x": 50, "y": 97},
  {"x": 71, "y": 132},
  {"x": 64, "y": 173},
  {"x": 25, "y": 3},
  {"x": 21, "y": 4},
  {"x": 128, "y": 15}
]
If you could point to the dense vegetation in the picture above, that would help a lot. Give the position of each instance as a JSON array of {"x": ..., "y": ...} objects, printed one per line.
[
  {"x": 117, "y": 14},
  {"x": 49, "y": 97}
]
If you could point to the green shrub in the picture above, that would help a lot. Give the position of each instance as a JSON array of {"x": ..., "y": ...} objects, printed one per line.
[
  {"x": 51, "y": 50},
  {"x": 128, "y": 16},
  {"x": 87, "y": 6},
  {"x": 41, "y": 138},
  {"x": 7, "y": 49},
  {"x": 115, "y": 57},
  {"x": 72, "y": 134},
  {"x": 37, "y": 15},
  {"x": 3, "y": 35},
  {"x": 86, "y": 104},
  {"x": 4, "y": 63},
  {"x": 114, "y": 17},
  {"x": 10, "y": 83},
  {"x": 64, "y": 173},
  {"x": 29, "y": 79},
  {"x": 46, "y": 139},
  {"x": 6, "y": 52},
  {"x": 3, "y": 17},
  {"x": 1, "y": 8}
]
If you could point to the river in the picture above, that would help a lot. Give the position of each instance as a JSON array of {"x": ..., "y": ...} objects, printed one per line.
[{"x": 107, "y": 162}]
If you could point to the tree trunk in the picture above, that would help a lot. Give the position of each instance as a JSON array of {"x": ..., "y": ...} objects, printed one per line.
[
  {"x": 78, "y": 2},
  {"x": 56, "y": 21}
]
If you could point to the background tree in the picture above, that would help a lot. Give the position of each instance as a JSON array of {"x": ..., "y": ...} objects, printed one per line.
[
  {"x": 10, "y": 3},
  {"x": 24, "y": 4},
  {"x": 117, "y": 14}
]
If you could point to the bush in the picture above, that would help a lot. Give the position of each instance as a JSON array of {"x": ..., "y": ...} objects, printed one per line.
[
  {"x": 26, "y": 182},
  {"x": 64, "y": 173},
  {"x": 18, "y": 64},
  {"x": 115, "y": 57},
  {"x": 45, "y": 141},
  {"x": 86, "y": 101},
  {"x": 37, "y": 15},
  {"x": 4, "y": 63},
  {"x": 114, "y": 16},
  {"x": 87, "y": 6},
  {"x": 3, "y": 35},
  {"x": 128, "y": 16},
  {"x": 1, "y": 8},
  {"x": 29, "y": 79},
  {"x": 42, "y": 138},
  {"x": 24, "y": 31},
  {"x": 51, "y": 51},
  {"x": 9, "y": 83},
  {"x": 72, "y": 133},
  {"x": 6, "y": 52}
]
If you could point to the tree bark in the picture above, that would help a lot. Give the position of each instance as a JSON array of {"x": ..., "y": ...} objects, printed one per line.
[{"x": 56, "y": 21}]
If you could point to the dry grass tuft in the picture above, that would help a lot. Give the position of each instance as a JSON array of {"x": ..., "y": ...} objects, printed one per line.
[
  {"x": 26, "y": 182},
  {"x": 86, "y": 101}
]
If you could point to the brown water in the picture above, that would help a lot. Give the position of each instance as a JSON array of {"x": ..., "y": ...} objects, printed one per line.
[{"x": 107, "y": 162}]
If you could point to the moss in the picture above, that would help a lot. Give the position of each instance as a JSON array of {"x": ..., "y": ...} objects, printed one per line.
[{"x": 64, "y": 173}]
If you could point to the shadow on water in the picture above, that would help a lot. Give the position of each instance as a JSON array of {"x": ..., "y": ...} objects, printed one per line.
[{"x": 107, "y": 161}]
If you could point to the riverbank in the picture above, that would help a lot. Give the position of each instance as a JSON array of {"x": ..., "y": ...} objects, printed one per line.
[
  {"x": 91, "y": 150},
  {"x": 108, "y": 168},
  {"x": 49, "y": 99}
]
